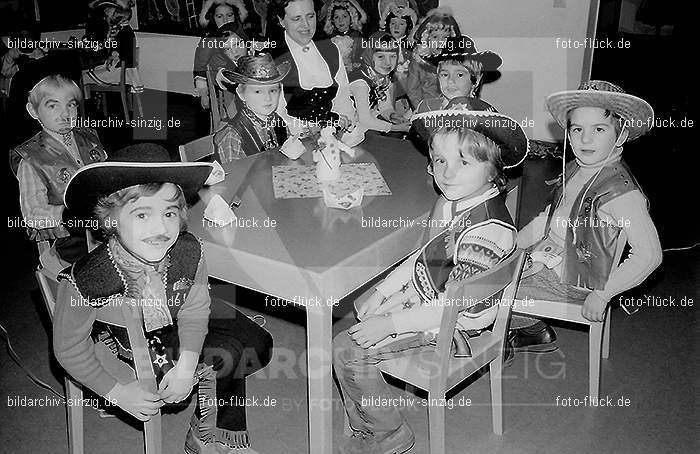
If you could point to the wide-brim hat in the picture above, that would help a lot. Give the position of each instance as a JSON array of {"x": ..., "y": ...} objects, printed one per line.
[
  {"x": 123, "y": 4},
  {"x": 460, "y": 112},
  {"x": 131, "y": 166},
  {"x": 256, "y": 69},
  {"x": 462, "y": 48},
  {"x": 637, "y": 113},
  {"x": 398, "y": 11}
]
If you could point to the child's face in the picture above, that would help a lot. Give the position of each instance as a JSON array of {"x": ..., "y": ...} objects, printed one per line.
[
  {"x": 436, "y": 38},
  {"x": 455, "y": 80},
  {"x": 261, "y": 99},
  {"x": 150, "y": 225},
  {"x": 57, "y": 111},
  {"x": 234, "y": 47},
  {"x": 384, "y": 62},
  {"x": 592, "y": 135},
  {"x": 223, "y": 14},
  {"x": 458, "y": 176},
  {"x": 397, "y": 27},
  {"x": 341, "y": 20}
]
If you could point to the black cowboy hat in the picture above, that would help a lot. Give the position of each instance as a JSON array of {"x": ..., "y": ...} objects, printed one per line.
[{"x": 462, "y": 48}]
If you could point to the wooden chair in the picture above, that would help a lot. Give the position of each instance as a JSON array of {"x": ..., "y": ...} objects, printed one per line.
[
  {"x": 599, "y": 332},
  {"x": 197, "y": 149},
  {"x": 130, "y": 101},
  {"x": 439, "y": 371},
  {"x": 217, "y": 105},
  {"x": 144, "y": 373}
]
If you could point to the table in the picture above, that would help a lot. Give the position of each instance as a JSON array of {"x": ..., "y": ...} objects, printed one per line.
[{"x": 314, "y": 255}]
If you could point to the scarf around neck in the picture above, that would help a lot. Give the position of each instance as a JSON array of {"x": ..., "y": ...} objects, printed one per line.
[
  {"x": 145, "y": 283},
  {"x": 378, "y": 84}
]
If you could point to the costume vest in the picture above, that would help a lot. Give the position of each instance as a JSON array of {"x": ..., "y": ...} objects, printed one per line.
[
  {"x": 99, "y": 282},
  {"x": 435, "y": 261},
  {"x": 53, "y": 163},
  {"x": 251, "y": 142},
  {"x": 315, "y": 104},
  {"x": 590, "y": 245}
]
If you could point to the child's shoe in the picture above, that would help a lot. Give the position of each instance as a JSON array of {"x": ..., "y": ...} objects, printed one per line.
[{"x": 194, "y": 445}]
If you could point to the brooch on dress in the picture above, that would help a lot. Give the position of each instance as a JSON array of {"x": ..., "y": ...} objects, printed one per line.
[{"x": 182, "y": 284}]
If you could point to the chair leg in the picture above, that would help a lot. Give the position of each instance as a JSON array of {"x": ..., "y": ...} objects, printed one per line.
[
  {"x": 436, "y": 423},
  {"x": 347, "y": 430},
  {"x": 152, "y": 435},
  {"x": 74, "y": 414},
  {"x": 103, "y": 97},
  {"x": 495, "y": 375},
  {"x": 125, "y": 105},
  {"x": 137, "y": 106},
  {"x": 595, "y": 338},
  {"x": 606, "y": 334}
]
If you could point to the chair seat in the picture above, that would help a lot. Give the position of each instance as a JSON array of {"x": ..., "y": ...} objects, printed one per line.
[
  {"x": 559, "y": 310},
  {"x": 109, "y": 88},
  {"x": 417, "y": 369}
]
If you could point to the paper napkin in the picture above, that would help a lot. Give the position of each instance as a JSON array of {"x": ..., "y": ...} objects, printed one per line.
[
  {"x": 218, "y": 211},
  {"x": 217, "y": 175},
  {"x": 345, "y": 202}
]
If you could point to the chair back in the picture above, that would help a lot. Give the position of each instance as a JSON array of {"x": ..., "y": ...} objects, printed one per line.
[
  {"x": 197, "y": 149},
  {"x": 513, "y": 198},
  {"x": 216, "y": 102},
  {"x": 504, "y": 277}
]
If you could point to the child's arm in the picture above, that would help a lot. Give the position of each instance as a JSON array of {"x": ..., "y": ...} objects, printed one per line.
[
  {"x": 34, "y": 202},
  {"x": 72, "y": 344},
  {"x": 360, "y": 92},
  {"x": 630, "y": 211},
  {"x": 413, "y": 83},
  {"x": 227, "y": 144}
]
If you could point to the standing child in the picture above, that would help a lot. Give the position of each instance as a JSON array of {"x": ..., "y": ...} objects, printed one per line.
[
  {"x": 150, "y": 265},
  {"x": 596, "y": 200},
  {"x": 460, "y": 69},
  {"x": 467, "y": 165},
  {"x": 45, "y": 163},
  {"x": 256, "y": 127}
]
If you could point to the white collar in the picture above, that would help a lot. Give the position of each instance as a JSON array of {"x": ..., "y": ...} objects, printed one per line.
[
  {"x": 295, "y": 47},
  {"x": 469, "y": 203}
]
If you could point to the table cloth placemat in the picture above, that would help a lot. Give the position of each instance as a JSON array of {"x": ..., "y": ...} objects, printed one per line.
[{"x": 294, "y": 182}]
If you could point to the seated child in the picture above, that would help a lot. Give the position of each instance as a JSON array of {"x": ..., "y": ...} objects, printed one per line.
[
  {"x": 256, "y": 127},
  {"x": 151, "y": 266},
  {"x": 119, "y": 43},
  {"x": 468, "y": 168},
  {"x": 371, "y": 86},
  {"x": 596, "y": 201},
  {"x": 429, "y": 37},
  {"x": 45, "y": 163},
  {"x": 459, "y": 69}
]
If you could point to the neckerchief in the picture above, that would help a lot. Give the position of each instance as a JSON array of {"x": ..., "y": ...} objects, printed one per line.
[
  {"x": 145, "y": 283},
  {"x": 268, "y": 125},
  {"x": 378, "y": 84}
]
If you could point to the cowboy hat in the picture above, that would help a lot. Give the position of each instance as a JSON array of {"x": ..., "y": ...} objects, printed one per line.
[
  {"x": 481, "y": 117},
  {"x": 637, "y": 113},
  {"x": 130, "y": 166},
  {"x": 461, "y": 48},
  {"x": 256, "y": 69}
]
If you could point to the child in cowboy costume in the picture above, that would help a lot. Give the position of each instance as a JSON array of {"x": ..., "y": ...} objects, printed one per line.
[
  {"x": 459, "y": 69},
  {"x": 45, "y": 163},
  {"x": 403, "y": 315},
  {"x": 150, "y": 262},
  {"x": 596, "y": 199},
  {"x": 256, "y": 127}
]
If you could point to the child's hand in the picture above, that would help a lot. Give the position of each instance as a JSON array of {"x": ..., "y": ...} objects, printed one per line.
[
  {"x": 370, "y": 305},
  {"x": 594, "y": 307},
  {"x": 177, "y": 383},
  {"x": 369, "y": 332},
  {"x": 135, "y": 400}
]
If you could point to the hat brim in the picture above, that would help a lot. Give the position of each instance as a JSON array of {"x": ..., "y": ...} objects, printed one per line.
[
  {"x": 639, "y": 115},
  {"x": 233, "y": 77},
  {"x": 503, "y": 130},
  {"x": 94, "y": 181},
  {"x": 490, "y": 61}
]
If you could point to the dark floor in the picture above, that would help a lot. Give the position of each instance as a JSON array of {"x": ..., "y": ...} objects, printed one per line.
[{"x": 652, "y": 368}]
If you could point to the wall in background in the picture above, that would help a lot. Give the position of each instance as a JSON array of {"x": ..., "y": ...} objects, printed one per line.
[{"x": 535, "y": 64}]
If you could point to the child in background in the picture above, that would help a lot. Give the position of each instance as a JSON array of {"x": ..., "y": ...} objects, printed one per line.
[
  {"x": 575, "y": 238},
  {"x": 371, "y": 86},
  {"x": 399, "y": 22},
  {"x": 468, "y": 168},
  {"x": 256, "y": 127},
  {"x": 213, "y": 19},
  {"x": 119, "y": 42},
  {"x": 45, "y": 163},
  {"x": 460, "y": 69},
  {"x": 150, "y": 266},
  {"x": 429, "y": 38},
  {"x": 344, "y": 18}
]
